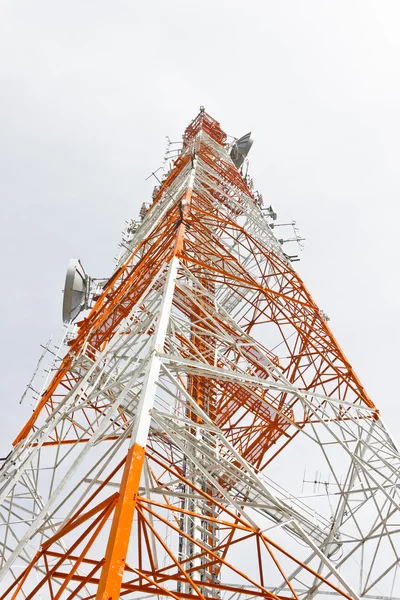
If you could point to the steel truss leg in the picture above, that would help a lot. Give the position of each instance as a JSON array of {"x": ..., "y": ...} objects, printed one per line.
[{"x": 118, "y": 543}]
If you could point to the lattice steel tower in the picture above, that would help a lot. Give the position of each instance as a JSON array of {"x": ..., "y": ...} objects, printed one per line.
[{"x": 166, "y": 455}]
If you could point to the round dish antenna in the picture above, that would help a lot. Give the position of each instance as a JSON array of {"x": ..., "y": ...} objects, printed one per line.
[
  {"x": 240, "y": 149},
  {"x": 75, "y": 290}
]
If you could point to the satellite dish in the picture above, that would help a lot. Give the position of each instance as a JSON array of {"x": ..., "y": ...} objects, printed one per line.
[
  {"x": 240, "y": 149},
  {"x": 75, "y": 290}
]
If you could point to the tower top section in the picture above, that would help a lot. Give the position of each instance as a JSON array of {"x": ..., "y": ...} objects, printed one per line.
[{"x": 205, "y": 122}]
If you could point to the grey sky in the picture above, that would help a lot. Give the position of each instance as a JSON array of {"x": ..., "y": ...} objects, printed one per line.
[{"x": 89, "y": 90}]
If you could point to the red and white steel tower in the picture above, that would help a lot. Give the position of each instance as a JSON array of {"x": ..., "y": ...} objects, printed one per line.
[{"x": 166, "y": 454}]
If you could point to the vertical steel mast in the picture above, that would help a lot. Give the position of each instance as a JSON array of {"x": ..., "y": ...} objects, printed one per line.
[{"x": 166, "y": 455}]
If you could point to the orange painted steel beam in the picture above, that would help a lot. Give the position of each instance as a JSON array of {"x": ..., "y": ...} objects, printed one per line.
[{"x": 118, "y": 541}]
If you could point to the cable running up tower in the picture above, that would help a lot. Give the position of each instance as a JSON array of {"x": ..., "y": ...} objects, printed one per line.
[{"x": 165, "y": 457}]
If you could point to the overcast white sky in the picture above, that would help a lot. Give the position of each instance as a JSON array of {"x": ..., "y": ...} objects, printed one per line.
[{"x": 90, "y": 89}]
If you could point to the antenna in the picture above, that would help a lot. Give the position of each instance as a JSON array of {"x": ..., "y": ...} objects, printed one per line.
[
  {"x": 75, "y": 290},
  {"x": 240, "y": 149},
  {"x": 297, "y": 238}
]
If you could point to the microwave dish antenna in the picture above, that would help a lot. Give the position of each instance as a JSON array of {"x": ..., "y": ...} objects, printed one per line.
[
  {"x": 76, "y": 290},
  {"x": 240, "y": 149}
]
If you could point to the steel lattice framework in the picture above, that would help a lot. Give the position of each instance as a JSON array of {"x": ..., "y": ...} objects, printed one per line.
[{"x": 165, "y": 456}]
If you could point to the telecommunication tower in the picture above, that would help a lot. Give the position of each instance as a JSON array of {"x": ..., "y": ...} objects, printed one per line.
[{"x": 165, "y": 454}]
